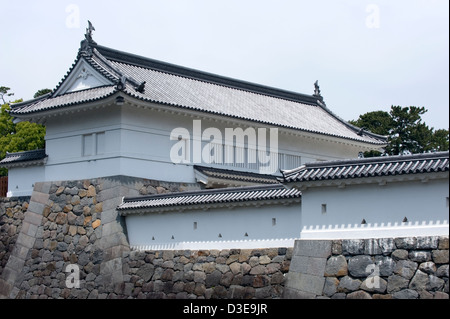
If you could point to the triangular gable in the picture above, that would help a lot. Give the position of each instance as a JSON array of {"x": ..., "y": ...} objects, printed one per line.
[{"x": 82, "y": 77}]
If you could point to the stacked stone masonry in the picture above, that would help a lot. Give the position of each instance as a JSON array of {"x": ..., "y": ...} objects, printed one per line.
[
  {"x": 74, "y": 225},
  {"x": 12, "y": 213},
  {"x": 388, "y": 268}
]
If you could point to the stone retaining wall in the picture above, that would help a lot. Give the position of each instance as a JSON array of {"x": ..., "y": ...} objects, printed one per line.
[
  {"x": 216, "y": 274},
  {"x": 388, "y": 268},
  {"x": 74, "y": 226},
  {"x": 12, "y": 213}
]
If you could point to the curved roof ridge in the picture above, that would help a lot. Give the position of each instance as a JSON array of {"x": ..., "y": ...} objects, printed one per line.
[
  {"x": 367, "y": 167},
  {"x": 204, "y": 192},
  {"x": 270, "y": 106},
  {"x": 166, "y": 67}
]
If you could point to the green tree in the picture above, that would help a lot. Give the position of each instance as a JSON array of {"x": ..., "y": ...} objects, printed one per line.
[
  {"x": 405, "y": 130},
  {"x": 17, "y": 137},
  {"x": 440, "y": 140},
  {"x": 378, "y": 122},
  {"x": 4, "y": 92},
  {"x": 41, "y": 92}
]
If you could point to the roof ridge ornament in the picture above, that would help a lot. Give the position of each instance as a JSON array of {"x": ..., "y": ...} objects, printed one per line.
[
  {"x": 317, "y": 89},
  {"x": 88, "y": 34},
  {"x": 86, "y": 44},
  {"x": 317, "y": 93}
]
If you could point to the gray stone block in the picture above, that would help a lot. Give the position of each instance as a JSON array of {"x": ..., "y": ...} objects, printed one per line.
[
  {"x": 330, "y": 286},
  {"x": 372, "y": 247},
  {"x": 405, "y": 294},
  {"x": 111, "y": 204},
  {"x": 43, "y": 187},
  {"x": 336, "y": 266},
  {"x": 387, "y": 245},
  {"x": 428, "y": 242},
  {"x": 36, "y": 208},
  {"x": 419, "y": 256},
  {"x": 15, "y": 263},
  {"x": 110, "y": 228},
  {"x": 420, "y": 281},
  {"x": 312, "y": 248},
  {"x": 112, "y": 269},
  {"x": 353, "y": 246},
  {"x": 443, "y": 271},
  {"x": 359, "y": 266},
  {"x": 290, "y": 293},
  {"x": 20, "y": 251},
  {"x": 305, "y": 282},
  {"x": 348, "y": 284},
  {"x": 146, "y": 272},
  {"x": 5, "y": 289},
  {"x": 396, "y": 283},
  {"x": 405, "y": 268},
  {"x": 109, "y": 193},
  {"x": 308, "y": 265},
  {"x": 374, "y": 284},
  {"x": 39, "y": 197},
  {"x": 406, "y": 242},
  {"x": 386, "y": 265},
  {"x": 33, "y": 218},
  {"x": 359, "y": 295},
  {"x": 109, "y": 216},
  {"x": 400, "y": 254},
  {"x": 25, "y": 240}
]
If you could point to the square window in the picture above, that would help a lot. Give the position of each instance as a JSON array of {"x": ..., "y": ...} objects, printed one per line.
[{"x": 88, "y": 145}]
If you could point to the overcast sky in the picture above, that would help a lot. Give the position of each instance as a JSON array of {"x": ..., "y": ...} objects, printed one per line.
[{"x": 367, "y": 55}]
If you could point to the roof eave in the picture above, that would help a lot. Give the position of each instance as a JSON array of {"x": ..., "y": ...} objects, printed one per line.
[
  {"x": 38, "y": 162},
  {"x": 57, "y": 110},
  {"x": 207, "y": 206},
  {"x": 376, "y": 144},
  {"x": 381, "y": 180}
]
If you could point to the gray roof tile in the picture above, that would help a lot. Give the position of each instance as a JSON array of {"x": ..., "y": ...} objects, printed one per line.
[
  {"x": 233, "y": 175},
  {"x": 208, "y": 197},
  {"x": 21, "y": 157},
  {"x": 369, "y": 167},
  {"x": 186, "y": 88}
]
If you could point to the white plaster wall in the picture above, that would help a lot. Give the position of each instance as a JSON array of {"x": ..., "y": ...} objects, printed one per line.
[
  {"x": 21, "y": 180},
  {"x": 231, "y": 223},
  {"x": 137, "y": 143},
  {"x": 383, "y": 207}
]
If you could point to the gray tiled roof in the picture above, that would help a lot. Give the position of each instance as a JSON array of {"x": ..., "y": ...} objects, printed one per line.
[
  {"x": 207, "y": 197},
  {"x": 369, "y": 167},
  {"x": 227, "y": 174},
  {"x": 186, "y": 88},
  {"x": 60, "y": 101},
  {"x": 21, "y": 157}
]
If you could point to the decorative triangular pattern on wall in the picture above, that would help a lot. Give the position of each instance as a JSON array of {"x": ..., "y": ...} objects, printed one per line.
[{"x": 82, "y": 77}]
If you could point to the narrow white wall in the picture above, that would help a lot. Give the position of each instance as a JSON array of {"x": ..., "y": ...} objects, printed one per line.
[
  {"x": 425, "y": 205},
  {"x": 21, "y": 180},
  {"x": 266, "y": 226}
]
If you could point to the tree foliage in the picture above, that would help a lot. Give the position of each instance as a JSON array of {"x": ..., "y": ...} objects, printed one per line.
[
  {"x": 405, "y": 131},
  {"x": 17, "y": 137},
  {"x": 4, "y": 92},
  {"x": 41, "y": 92}
]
